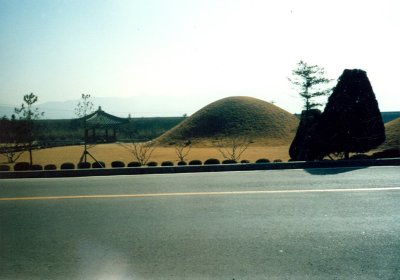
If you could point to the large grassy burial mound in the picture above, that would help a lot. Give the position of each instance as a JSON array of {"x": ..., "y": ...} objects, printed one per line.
[
  {"x": 392, "y": 131},
  {"x": 237, "y": 116}
]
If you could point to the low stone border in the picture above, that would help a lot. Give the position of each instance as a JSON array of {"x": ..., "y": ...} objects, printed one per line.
[{"x": 198, "y": 168}]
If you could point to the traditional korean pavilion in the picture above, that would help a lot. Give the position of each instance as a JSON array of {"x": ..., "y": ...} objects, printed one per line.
[{"x": 101, "y": 127}]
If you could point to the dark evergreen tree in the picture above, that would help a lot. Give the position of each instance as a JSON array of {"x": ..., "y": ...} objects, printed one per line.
[
  {"x": 302, "y": 145},
  {"x": 351, "y": 121}
]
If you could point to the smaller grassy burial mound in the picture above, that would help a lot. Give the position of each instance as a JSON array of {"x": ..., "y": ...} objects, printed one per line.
[
  {"x": 238, "y": 116},
  {"x": 392, "y": 131}
]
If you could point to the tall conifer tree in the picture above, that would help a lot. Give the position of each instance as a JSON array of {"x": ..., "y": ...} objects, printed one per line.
[
  {"x": 351, "y": 121},
  {"x": 311, "y": 83}
]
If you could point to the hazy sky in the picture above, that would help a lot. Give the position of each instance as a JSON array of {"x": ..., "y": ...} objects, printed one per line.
[{"x": 205, "y": 49}]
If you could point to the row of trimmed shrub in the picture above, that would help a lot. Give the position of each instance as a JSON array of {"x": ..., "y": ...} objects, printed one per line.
[
  {"x": 389, "y": 153},
  {"x": 25, "y": 166}
]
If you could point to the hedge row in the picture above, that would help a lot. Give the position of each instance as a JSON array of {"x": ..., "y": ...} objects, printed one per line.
[{"x": 24, "y": 166}]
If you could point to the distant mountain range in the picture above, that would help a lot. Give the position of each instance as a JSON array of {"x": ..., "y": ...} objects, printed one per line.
[{"x": 141, "y": 106}]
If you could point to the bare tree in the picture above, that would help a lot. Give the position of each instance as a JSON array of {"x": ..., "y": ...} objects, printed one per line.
[
  {"x": 12, "y": 153},
  {"x": 27, "y": 114},
  {"x": 82, "y": 109},
  {"x": 232, "y": 148},
  {"x": 182, "y": 150},
  {"x": 141, "y": 151}
]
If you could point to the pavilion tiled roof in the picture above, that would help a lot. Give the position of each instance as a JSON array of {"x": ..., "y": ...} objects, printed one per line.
[{"x": 103, "y": 119}]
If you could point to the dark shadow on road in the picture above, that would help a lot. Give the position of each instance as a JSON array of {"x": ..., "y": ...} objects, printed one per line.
[{"x": 332, "y": 171}]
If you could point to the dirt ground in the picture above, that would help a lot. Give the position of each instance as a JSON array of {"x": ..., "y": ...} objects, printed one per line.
[{"x": 112, "y": 152}]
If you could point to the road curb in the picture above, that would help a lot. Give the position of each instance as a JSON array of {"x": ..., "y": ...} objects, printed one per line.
[{"x": 198, "y": 168}]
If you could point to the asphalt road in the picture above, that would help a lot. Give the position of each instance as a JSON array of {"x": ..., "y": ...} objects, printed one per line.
[{"x": 283, "y": 224}]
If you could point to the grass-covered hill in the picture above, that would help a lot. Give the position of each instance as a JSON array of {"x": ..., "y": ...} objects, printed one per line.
[
  {"x": 236, "y": 116},
  {"x": 392, "y": 131}
]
